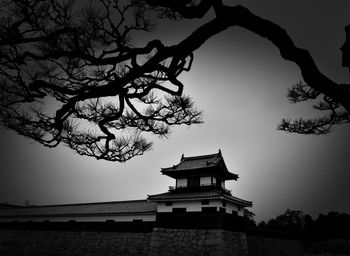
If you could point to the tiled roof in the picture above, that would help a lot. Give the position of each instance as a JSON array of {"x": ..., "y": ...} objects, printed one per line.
[
  {"x": 199, "y": 195},
  {"x": 5, "y": 206},
  {"x": 197, "y": 162},
  {"x": 185, "y": 195},
  {"x": 118, "y": 207},
  {"x": 200, "y": 163}
]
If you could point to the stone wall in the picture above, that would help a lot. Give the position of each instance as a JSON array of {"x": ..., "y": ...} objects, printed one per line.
[
  {"x": 331, "y": 247},
  {"x": 72, "y": 243},
  {"x": 162, "y": 241},
  {"x": 173, "y": 242},
  {"x": 264, "y": 246}
]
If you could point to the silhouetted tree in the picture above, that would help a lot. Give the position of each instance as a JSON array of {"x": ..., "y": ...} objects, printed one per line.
[
  {"x": 330, "y": 97},
  {"x": 291, "y": 220},
  {"x": 262, "y": 224},
  {"x": 309, "y": 228},
  {"x": 332, "y": 225},
  {"x": 70, "y": 74},
  {"x": 250, "y": 218}
]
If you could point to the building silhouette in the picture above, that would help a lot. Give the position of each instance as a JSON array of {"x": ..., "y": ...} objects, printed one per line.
[{"x": 200, "y": 188}]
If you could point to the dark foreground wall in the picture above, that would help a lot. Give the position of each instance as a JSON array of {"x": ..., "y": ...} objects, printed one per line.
[
  {"x": 264, "y": 246},
  {"x": 72, "y": 243},
  {"x": 173, "y": 242},
  {"x": 158, "y": 242},
  {"x": 338, "y": 247}
]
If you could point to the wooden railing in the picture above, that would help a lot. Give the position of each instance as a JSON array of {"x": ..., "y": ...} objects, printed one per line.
[{"x": 203, "y": 185}]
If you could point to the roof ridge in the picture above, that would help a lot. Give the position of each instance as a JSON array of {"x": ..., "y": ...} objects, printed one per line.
[
  {"x": 80, "y": 204},
  {"x": 201, "y": 156}
]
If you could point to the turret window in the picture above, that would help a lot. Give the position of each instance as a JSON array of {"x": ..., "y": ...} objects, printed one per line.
[
  {"x": 193, "y": 182},
  {"x": 179, "y": 210},
  {"x": 205, "y": 202},
  {"x": 209, "y": 209}
]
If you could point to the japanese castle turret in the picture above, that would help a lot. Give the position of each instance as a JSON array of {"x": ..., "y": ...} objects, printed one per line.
[
  {"x": 199, "y": 200},
  {"x": 199, "y": 188}
]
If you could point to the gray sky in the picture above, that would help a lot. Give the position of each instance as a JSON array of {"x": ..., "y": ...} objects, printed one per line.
[{"x": 240, "y": 82}]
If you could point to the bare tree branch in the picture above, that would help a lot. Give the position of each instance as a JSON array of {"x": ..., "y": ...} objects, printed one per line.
[
  {"x": 71, "y": 76},
  {"x": 70, "y": 73},
  {"x": 316, "y": 81}
]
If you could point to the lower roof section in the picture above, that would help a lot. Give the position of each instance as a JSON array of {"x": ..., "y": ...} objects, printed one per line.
[
  {"x": 103, "y": 208},
  {"x": 174, "y": 196},
  {"x": 116, "y": 208}
]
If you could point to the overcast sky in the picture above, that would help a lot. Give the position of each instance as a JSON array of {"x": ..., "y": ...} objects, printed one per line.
[{"x": 239, "y": 81}]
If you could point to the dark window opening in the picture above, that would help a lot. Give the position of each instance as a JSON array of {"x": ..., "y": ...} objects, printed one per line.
[
  {"x": 218, "y": 183},
  {"x": 205, "y": 202},
  {"x": 168, "y": 203},
  {"x": 222, "y": 209},
  {"x": 235, "y": 213},
  {"x": 209, "y": 209},
  {"x": 223, "y": 203},
  {"x": 179, "y": 210},
  {"x": 193, "y": 182}
]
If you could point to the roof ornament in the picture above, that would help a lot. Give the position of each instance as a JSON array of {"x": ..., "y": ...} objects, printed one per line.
[{"x": 182, "y": 156}]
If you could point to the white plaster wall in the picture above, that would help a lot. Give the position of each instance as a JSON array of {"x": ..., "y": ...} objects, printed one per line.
[
  {"x": 231, "y": 206},
  {"x": 205, "y": 180},
  {"x": 191, "y": 206},
  {"x": 181, "y": 182},
  {"x": 214, "y": 203},
  {"x": 196, "y": 206}
]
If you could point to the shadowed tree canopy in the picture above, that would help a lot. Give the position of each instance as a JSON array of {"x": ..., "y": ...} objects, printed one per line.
[
  {"x": 70, "y": 73},
  {"x": 324, "y": 227}
]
